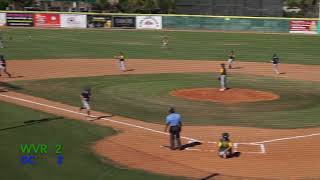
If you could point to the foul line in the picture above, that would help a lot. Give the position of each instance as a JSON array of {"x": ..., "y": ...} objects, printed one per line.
[
  {"x": 119, "y": 122},
  {"x": 156, "y": 131},
  {"x": 261, "y": 146},
  {"x": 287, "y": 138}
]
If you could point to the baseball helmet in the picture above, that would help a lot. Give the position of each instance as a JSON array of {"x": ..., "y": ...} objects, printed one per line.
[
  {"x": 225, "y": 135},
  {"x": 87, "y": 89}
]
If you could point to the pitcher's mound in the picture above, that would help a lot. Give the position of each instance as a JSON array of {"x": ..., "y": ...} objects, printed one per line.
[{"x": 234, "y": 95}]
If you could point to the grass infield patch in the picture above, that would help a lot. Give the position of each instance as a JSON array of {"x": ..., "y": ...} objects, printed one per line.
[{"x": 147, "y": 98}]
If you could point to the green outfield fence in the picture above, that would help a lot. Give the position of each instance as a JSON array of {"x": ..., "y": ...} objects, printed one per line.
[
  {"x": 227, "y": 24},
  {"x": 217, "y": 23}
]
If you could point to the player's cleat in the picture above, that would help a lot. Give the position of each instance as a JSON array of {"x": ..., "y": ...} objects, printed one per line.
[
  {"x": 225, "y": 156},
  {"x": 222, "y": 89}
]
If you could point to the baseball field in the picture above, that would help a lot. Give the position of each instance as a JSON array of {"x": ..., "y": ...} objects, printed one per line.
[{"x": 273, "y": 119}]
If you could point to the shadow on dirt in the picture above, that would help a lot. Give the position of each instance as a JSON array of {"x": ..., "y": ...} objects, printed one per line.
[
  {"x": 101, "y": 117},
  {"x": 210, "y": 176},
  {"x": 189, "y": 145}
]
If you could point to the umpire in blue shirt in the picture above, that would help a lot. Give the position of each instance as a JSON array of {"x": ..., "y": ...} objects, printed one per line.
[{"x": 173, "y": 121}]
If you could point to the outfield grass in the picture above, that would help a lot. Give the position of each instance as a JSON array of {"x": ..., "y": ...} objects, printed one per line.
[
  {"x": 79, "y": 162},
  {"x": 66, "y": 43},
  {"x": 146, "y": 97}
]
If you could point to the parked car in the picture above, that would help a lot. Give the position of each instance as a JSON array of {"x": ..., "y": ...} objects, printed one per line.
[{"x": 291, "y": 9}]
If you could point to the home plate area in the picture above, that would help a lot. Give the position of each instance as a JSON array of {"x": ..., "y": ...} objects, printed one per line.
[{"x": 252, "y": 148}]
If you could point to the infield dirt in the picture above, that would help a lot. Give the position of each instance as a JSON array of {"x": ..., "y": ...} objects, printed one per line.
[
  {"x": 229, "y": 96},
  {"x": 134, "y": 147}
]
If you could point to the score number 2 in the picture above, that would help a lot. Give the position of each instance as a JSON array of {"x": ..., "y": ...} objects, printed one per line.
[{"x": 59, "y": 149}]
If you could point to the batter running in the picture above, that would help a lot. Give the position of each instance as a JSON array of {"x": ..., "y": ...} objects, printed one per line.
[{"x": 85, "y": 99}]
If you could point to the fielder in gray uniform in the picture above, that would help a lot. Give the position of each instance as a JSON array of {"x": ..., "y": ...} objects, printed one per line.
[
  {"x": 122, "y": 65},
  {"x": 275, "y": 61},
  {"x": 165, "y": 42},
  {"x": 231, "y": 59},
  {"x": 1, "y": 40},
  {"x": 3, "y": 66}
]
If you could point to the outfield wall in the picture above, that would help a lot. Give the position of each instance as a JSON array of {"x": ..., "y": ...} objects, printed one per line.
[
  {"x": 161, "y": 21},
  {"x": 227, "y": 24}
]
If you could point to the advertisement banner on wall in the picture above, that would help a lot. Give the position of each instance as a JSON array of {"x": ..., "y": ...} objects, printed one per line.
[
  {"x": 73, "y": 20},
  {"x": 124, "y": 22},
  {"x": 3, "y": 19},
  {"x": 19, "y": 19},
  {"x": 47, "y": 20},
  {"x": 99, "y": 21},
  {"x": 149, "y": 22},
  {"x": 304, "y": 26}
]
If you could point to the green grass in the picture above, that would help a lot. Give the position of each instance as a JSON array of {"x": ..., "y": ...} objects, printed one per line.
[
  {"x": 43, "y": 44},
  {"x": 145, "y": 97},
  {"x": 79, "y": 162}
]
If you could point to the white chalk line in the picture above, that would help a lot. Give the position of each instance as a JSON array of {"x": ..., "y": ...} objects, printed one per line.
[
  {"x": 261, "y": 147},
  {"x": 235, "y": 148},
  {"x": 70, "y": 111},
  {"x": 287, "y": 138},
  {"x": 260, "y": 143},
  {"x": 127, "y": 124}
]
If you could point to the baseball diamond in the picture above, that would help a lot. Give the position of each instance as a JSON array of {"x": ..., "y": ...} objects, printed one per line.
[{"x": 271, "y": 118}]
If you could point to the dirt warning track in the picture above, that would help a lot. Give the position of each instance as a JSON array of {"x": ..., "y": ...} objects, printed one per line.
[{"x": 267, "y": 153}]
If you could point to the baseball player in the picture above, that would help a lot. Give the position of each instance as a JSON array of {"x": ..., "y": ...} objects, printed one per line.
[
  {"x": 173, "y": 121},
  {"x": 223, "y": 78},
  {"x": 3, "y": 66},
  {"x": 85, "y": 99},
  {"x": 275, "y": 61},
  {"x": 225, "y": 146},
  {"x": 1, "y": 40},
  {"x": 165, "y": 42},
  {"x": 120, "y": 57},
  {"x": 232, "y": 57}
]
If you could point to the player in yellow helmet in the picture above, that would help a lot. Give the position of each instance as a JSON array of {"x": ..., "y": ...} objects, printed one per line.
[{"x": 225, "y": 146}]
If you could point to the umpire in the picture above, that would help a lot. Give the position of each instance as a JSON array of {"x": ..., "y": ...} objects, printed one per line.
[{"x": 173, "y": 121}]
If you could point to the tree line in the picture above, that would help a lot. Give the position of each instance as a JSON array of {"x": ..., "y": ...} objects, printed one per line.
[
  {"x": 124, "y": 6},
  {"x": 309, "y": 8}
]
